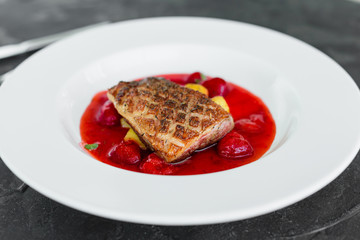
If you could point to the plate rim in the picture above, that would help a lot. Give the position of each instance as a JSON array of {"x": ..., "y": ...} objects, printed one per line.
[{"x": 161, "y": 221}]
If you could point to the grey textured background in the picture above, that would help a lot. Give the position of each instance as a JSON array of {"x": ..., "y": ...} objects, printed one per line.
[{"x": 333, "y": 26}]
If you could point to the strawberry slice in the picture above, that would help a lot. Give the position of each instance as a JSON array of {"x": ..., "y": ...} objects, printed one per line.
[
  {"x": 253, "y": 124},
  {"x": 257, "y": 118},
  {"x": 234, "y": 145},
  {"x": 126, "y": 152},
  {"x": 155, "y": 165}
]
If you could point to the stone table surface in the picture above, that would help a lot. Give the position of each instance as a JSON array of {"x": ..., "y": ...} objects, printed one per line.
[{"x": 332, "y": 26}]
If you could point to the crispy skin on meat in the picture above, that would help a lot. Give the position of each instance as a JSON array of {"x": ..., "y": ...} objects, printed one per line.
[{"x": 170, "y": 119}]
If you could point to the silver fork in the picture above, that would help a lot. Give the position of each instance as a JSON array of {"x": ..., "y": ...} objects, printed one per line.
[{"x": 38, "y": 43}]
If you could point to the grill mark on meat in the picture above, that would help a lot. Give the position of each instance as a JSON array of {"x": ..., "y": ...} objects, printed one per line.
[
  {"x": 205, "y": 123},
  {"x": 170, "y": 119},
  {"x": 167, "y": 113},
  {"x": 194, "y": 122},
  {"x": 153, "y": 109},
  {"x": 145, "y": 93},
  {"x": 197, "y": 109},
  {"x": 183, "y": 134},
  {"x": 170, "y": 103},
  {"x": 204, "y": 100},
  {"x": 140, "y": 106},
  {"x": 148, "y": 124},
  {"x": 158, "y": 98},
  {"x": 180, "y": 117},
  {"x": 183, "y": 107},
  {"x": 211, "y": 113},
  {"x": 129, "y": 104},
  {"x": 164, "y": 126}
]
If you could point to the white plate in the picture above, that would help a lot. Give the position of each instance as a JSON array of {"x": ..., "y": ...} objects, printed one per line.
[{"x": 315, "y": 103}]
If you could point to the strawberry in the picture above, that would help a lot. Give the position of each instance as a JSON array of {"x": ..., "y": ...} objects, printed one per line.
[
  {"x": 195, "y": 77},
  {"x": 126, "y": 152},
  {"x": 246, "y": 125},
  {"x": 234, "y": 145},
  {"x": 216, "y": 87},
  {"x": 108, "y": 115},
  {"x": 257, "y": 118},
  {"x": 155, "y": 165},
  {"x": 253, "y": 124}
]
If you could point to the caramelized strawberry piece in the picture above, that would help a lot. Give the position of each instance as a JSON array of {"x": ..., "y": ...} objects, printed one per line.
[
  {"x": 108, "y": 115},
  {"x": 216, "y": 87},
  {"x": 155, "y": 165},
  {"x": 234, "y": 145},
  {"x": 126, "y": 152}
]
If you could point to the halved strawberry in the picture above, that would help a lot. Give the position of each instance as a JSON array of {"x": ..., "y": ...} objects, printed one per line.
[
  {"x": 216, "y": 87},
  {"x": 108, "y": 115}
]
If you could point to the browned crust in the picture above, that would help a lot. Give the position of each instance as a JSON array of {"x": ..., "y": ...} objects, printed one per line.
[{"x": 170, "y": 119}]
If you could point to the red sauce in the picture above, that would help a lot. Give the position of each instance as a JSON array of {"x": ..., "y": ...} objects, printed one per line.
[{"x": 242, "y": 104}]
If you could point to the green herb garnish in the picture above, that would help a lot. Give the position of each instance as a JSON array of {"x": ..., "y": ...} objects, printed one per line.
[{"x": 91, "y": 146}]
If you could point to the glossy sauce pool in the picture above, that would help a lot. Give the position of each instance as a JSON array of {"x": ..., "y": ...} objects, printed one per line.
[{"x": 242, "y": 104}]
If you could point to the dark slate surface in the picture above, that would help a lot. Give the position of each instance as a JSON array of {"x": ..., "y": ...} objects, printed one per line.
[{"x": 332, "y": 26}]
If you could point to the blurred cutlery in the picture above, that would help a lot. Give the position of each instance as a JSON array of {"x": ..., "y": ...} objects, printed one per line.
[{"x": 37, "y": 43}]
